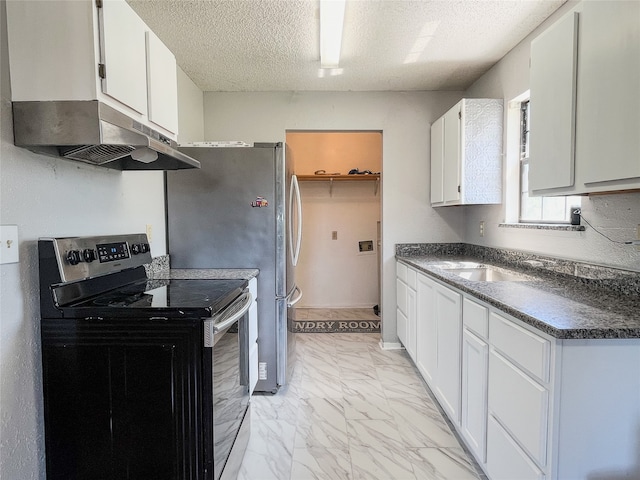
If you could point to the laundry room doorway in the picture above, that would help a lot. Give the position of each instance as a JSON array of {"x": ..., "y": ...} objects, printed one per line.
[{"x": 339, "y": 267}]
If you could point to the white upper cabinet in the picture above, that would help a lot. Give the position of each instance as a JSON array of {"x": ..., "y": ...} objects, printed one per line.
[
  {"x": 466, "y": 154},
  {"x": 585, "y": 101},
  {"x": 451, "y": 182},
  {"x": 79, "y": 50},
  {"x": 162, "y": 84},
  {"x": 608, "y": 142},
  {"x": 553, "y": 105},
  {"x": 123, "y": 54},
  {"x": 437, "y": 160}
]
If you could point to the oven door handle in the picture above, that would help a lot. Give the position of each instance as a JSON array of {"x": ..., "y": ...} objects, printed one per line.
[
  {"x": 211, "y": 327},
  {"x": 246, "y": 300}
]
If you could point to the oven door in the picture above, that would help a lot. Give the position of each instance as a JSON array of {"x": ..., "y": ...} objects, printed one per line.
[{"x": 227, "y": 399}]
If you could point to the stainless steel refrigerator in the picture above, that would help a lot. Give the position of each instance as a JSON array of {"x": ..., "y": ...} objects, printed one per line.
[{"x": 242, "y": 209}]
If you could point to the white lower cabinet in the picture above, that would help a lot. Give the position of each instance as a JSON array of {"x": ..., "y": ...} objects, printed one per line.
[
  {"x": 406, "y": 308},
  {"x": 447, "y": 304},
  {"x": 401, "y": 309},
  {"x": 521, "y": 404},
  {"x": 426, "y": 328},
  {"x": 475, "y": 369},
  {"x": 438, "y": 327},
  {"x": 527, "y": 405}
]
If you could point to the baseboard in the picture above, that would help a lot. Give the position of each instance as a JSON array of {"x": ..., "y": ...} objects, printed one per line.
[{"x": 391, "y": 345}]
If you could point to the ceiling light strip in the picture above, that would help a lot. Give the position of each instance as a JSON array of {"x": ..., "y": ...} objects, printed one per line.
[{"x": 331, "y": 26}]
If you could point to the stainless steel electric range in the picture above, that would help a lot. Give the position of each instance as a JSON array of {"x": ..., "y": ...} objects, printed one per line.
[{"x": 142, "y": 378}]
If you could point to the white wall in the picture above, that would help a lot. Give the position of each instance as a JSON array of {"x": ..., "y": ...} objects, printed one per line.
[
  {"x": 617, "y": 216},
  {"x": 45, "y": 196},
  {"x": 333, "y": 273},
  {"x": 404, "y": 119}
]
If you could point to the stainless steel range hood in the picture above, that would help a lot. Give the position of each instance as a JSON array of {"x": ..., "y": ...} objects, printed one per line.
[{"x": 95, "y": 133}]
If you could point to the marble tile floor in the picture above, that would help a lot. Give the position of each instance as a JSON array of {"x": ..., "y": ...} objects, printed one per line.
[{"x": 352, "y": 411}]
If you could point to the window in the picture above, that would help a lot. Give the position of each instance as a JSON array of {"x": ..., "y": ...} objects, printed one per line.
[{"x": 538, "y": 209}]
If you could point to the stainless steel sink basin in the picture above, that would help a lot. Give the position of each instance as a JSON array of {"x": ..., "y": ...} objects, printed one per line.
[
  {"x": 479, "y": 272},
  {"x": 487, "y": 274}
]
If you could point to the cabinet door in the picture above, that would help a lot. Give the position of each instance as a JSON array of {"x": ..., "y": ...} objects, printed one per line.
[
  {"x": 401, "y": 326},
  {"x": 449, "y": 324},
  {"x": 122, "y": 42},
  {"x": 426, "y": 330},
  {"x": 452, "y": 154},
  {"x": 162, "y": 84},
  {"x": 437, "y": 159},
  {"x": 553, "y": 105},
  {"x": 410, "y": 344},
  {"x": 475, "y": 358},
  {"x": 475, "y": 369},
  {"x": 401, "y": 311},
  {"x": 608, "y": 144}
]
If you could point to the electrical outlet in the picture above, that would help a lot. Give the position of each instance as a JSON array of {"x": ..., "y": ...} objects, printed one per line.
[
  {"x": 149, "y": 232},
  {"x": 334, "y": 235},
  {"x": 9, "y": 244},
  {"x": 482, "y": 228}
]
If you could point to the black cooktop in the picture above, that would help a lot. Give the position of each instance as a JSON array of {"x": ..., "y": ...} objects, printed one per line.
[{"x": 160, "y": 298}]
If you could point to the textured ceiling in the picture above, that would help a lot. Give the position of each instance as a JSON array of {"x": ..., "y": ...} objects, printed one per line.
[{"x": 273, "y": 45}]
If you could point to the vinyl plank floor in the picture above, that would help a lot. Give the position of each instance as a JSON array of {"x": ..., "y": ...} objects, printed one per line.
[{"x": 352, "y": 411}]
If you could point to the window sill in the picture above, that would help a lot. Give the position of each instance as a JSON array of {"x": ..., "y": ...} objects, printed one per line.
[{"x": 560, "y": 227}]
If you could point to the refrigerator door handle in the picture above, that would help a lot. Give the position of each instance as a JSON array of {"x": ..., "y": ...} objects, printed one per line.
[
  {"x": 295, "y": 187},
  {"x": 291, "y": 303}
]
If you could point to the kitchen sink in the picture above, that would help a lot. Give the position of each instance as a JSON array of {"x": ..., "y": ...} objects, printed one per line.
[
  {"x": 487, "y": 274},
  {"x": 479, "y": 272}
]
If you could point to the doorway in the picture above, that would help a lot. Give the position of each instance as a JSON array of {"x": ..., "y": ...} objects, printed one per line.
[{"x": 339, "y": 266}]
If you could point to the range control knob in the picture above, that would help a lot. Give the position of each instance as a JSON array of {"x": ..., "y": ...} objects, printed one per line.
[
  {"x": 135, "y": 248},
  {"x": 73, "y": 257},
  {"x": 88, "y": 255},
  {"x": 144, "y": 247}
]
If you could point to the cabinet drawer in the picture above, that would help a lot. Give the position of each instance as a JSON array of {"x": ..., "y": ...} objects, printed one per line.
[
  {"x": 521, "y": 405},
  {"x": 412, "y": 278},
  {"x": 476, "y": 318},
  {"x": 401, "y": 271},
  {"x": 505, "y": 460},
  {"x": 528, "y": 350}
]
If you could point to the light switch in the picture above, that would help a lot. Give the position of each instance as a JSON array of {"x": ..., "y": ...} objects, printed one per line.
[{"x": 9, "y": 244}]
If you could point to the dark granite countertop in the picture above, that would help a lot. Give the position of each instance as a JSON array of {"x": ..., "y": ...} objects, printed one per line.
[
  {"x": 206, "y": 273},
  {"x": 160, "y": 268},
  {"x": 561, "y": 304}
]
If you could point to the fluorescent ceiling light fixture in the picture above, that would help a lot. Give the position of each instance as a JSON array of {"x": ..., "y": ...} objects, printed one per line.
[{"x": 331, "y": 25}]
